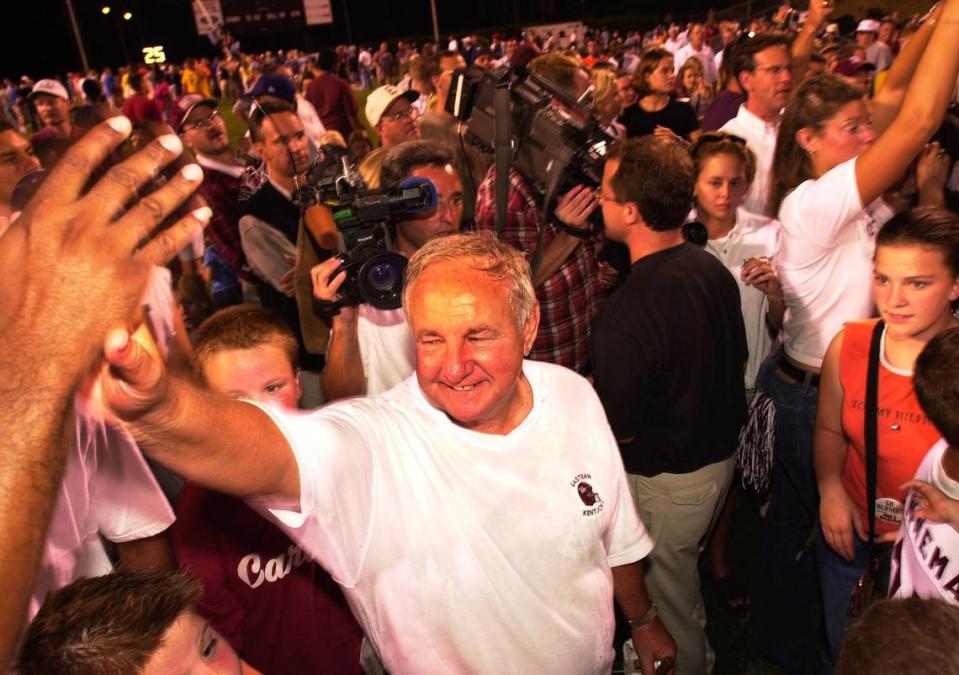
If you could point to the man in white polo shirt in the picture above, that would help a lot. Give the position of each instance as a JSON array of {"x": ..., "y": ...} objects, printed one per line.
[
  {"x": 763, "y": 66},
  {"x": 477, "y": 515}
]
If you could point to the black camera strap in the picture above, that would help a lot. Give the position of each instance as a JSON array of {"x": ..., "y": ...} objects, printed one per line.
[
  {"x": 871, "y": 430},
  {"x": 503, "y": 152}
]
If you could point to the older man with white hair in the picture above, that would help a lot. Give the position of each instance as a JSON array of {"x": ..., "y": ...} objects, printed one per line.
[{"x": 477, "y": 515}]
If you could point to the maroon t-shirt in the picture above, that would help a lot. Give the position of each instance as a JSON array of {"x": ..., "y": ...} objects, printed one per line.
[
  {"x": 280, "y": 610},
  {"x": 333, "y": 99},
  {"x": 142, "y": 108}
]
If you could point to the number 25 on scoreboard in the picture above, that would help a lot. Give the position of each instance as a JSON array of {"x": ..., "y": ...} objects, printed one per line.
[{"x": 152, "y": 55}]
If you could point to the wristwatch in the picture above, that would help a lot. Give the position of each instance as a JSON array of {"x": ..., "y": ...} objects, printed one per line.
[{"x": 645, "y": 619}]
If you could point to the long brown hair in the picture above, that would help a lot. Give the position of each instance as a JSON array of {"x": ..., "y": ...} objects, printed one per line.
[
  {"x": 647, "y": 65},
  {"x": 811, "y": 105},
  {"x": 713, "y": 143}
]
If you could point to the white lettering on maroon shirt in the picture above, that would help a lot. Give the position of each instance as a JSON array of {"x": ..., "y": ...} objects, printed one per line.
[{"x": 254, "y": 572}]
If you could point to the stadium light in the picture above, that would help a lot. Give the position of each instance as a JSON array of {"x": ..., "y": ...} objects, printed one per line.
[
  {"x": 127, "y": 16},
  {"x": 105, "y": 10}
]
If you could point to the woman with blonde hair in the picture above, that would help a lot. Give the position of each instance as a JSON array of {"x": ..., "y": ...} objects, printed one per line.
[
  {"x": 691, "y": 86},
  {"x": 606, "y": 104}
]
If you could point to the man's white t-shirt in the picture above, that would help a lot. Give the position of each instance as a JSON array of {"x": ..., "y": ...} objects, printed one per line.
[
  {"x": 825, "y": 260},
  {"x": 386, "y": 347},
  {"x": 107, "y": 489},
  {"x": 880, "y": 55},
  {"x": 760, "y": 137},
  {"x": 925, "y": 560},
  {"x": 312, "y": 124},
  {"x": 673, "y": 46},
  {"x": 468, "y": 552}
]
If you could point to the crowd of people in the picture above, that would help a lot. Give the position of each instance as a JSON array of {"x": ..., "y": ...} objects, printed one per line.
[{"x": 221, "y": 457}]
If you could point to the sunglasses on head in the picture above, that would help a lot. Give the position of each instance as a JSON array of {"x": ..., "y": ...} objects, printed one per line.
[{"x": 711, "y": 137}]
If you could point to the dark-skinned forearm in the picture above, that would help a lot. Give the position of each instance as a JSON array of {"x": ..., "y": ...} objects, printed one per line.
[{"x": 36, "y": 414}]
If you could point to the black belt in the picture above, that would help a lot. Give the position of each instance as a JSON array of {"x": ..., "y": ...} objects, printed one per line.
[{"x": 796, "y": 373}]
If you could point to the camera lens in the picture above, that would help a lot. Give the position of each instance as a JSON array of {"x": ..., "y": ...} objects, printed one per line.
[
  {"x": 380, "y": 280},
  {"x": 382, "y": 276}
]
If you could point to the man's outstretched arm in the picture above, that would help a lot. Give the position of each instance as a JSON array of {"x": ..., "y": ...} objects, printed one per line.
[
  {"x": 219, "y": 443},
  {"x": 74, "y": 265}
]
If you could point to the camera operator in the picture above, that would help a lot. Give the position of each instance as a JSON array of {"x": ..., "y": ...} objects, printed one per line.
[
  {"x": 439, "y": 125},
  {"x": 567, "y": 279},
  {"x": 371, "y": 350}
]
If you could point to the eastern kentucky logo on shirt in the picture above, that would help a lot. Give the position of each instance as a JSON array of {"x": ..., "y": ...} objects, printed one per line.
[{"x": 584, "y": 488}]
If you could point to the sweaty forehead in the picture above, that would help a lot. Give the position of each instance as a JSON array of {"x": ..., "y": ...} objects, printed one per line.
[
  {"x": 444, "y": 178},
  {"x": 11, "y": 140},
  {"x": 398, "y": 105},
  {"x": 773, "y": 54},
  {"x": 452, "y": 62},
  {"x": 457, "y": 283},
  {"x": 179, "y": 650},
  {"x": 198, "y": 113},
  {"x": 282, "y": 124}
]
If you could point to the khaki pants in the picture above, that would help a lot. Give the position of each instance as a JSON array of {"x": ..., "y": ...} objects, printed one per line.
[{"x": 679, "y": 511}]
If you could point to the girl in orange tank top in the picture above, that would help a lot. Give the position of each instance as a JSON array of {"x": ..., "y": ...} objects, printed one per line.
[{"x": 916, "y": 287}]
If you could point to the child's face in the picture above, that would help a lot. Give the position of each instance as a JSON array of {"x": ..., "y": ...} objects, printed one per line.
[{"x": 263, "y": 374}]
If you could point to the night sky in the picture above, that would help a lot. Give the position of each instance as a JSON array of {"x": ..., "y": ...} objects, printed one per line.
[{"x": 40, "y": 41}]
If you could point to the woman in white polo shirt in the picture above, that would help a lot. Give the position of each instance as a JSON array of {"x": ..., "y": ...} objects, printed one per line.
[
  {"x": 834, "y": 159},
  {"x": 745, "y": 243}
]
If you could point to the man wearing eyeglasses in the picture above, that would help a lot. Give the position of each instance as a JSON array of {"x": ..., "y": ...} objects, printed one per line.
[
  {"x": 203, "y": 131},
  {"x": 767, "y": 66},
  {"x": 390, "y": 111},
  {"x": 669, "y": 349},
  {"x": 763, "y": 66}
]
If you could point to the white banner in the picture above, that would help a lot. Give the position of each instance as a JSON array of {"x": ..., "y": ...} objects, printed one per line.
[
  {"x": 318, "y": 12},
  {"x": 208, "y": 15}
]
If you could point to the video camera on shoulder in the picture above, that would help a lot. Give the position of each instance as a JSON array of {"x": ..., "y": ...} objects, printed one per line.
[
  {"x": 344, "y": 216},
  {"x": 553, "y": 149}
]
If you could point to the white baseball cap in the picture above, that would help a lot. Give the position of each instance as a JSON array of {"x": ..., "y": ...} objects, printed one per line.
[
  {"x": 382, "y": 98},
  {"x": 51, "y": 87},
  {"x": 868, "y": 26}
]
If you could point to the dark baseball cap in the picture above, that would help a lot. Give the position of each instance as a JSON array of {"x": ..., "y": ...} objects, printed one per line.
[{"x": 273, "y": 84}]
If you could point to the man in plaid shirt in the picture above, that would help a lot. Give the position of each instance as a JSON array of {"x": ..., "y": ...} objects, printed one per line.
[{"x": 567, "y": 279}]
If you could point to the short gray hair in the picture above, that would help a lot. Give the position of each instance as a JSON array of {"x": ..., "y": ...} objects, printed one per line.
[{"x": 485, "y": 252}]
